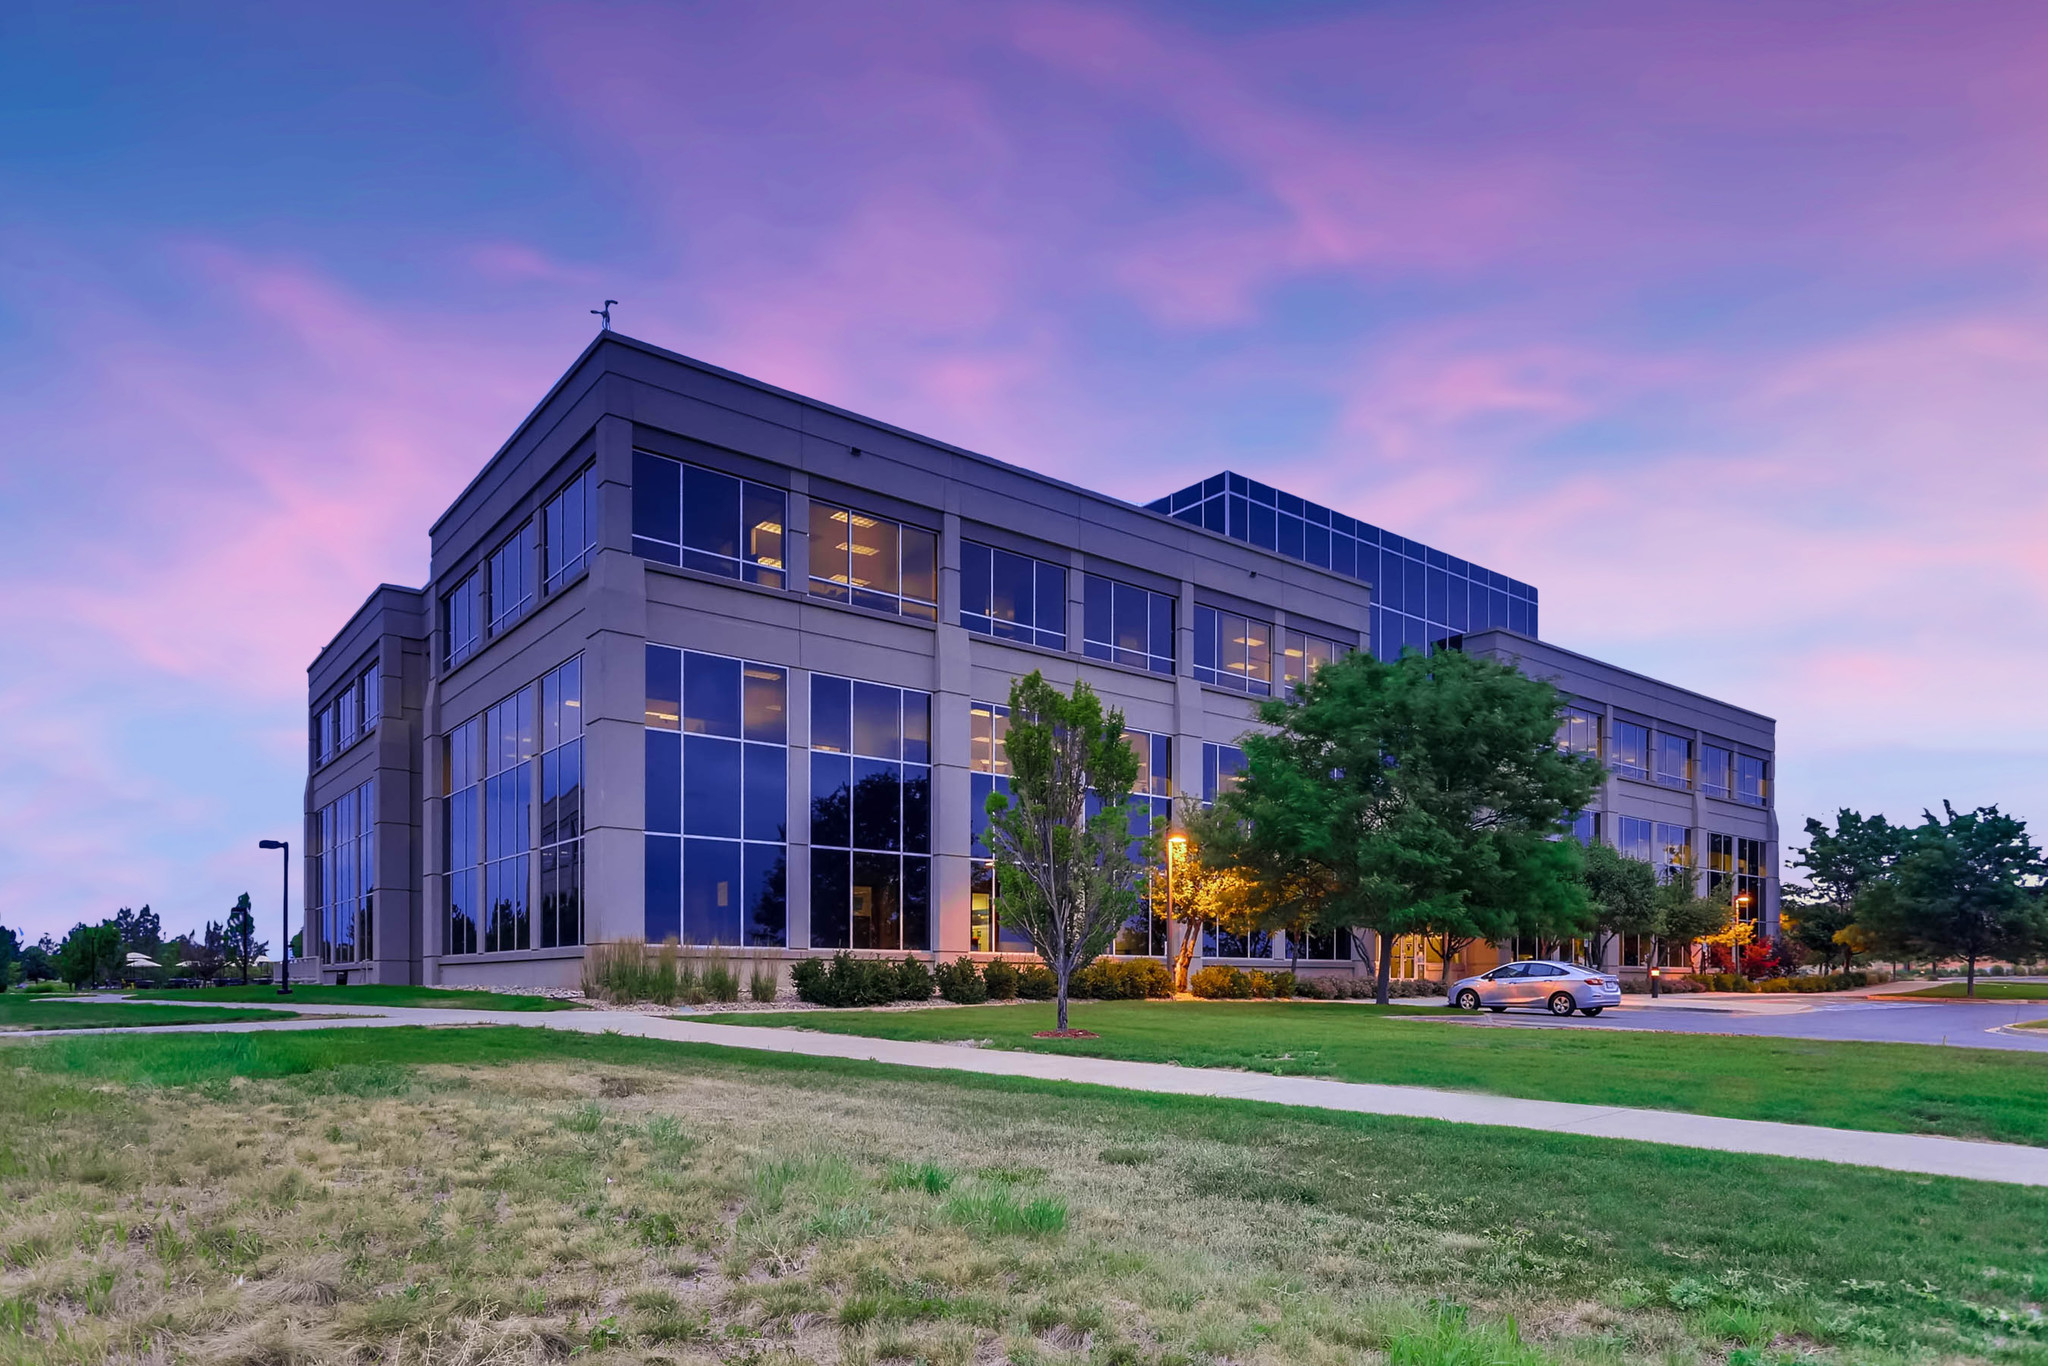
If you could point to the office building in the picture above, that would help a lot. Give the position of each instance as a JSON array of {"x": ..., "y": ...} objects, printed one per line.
[{"x": 702, "y": 659}]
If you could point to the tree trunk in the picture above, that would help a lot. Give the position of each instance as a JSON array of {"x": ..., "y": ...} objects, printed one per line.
[
  {"x": 1185, "y": 956},
  {"x": 1386, "y": 971},
  {"x": 1063, "y": 1001},
  {"x": 1970, "y": 975}
]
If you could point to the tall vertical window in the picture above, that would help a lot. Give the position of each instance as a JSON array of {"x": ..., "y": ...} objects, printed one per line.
[
  {"x": 508, "y": 823},
  {"x": 871, "y": 561},
  {"x": 561, "y": 808},
  {"x": 990, "y": 762},
  {"x": 1578, "y": 731},
  {"x": 347, "y": 716},
  {"x": 871, "y": 816},
  {"x": 1127, "y": 624},
  {"x": 353, "y": 712},
  {"x": 701, "y": 519},
  {"x": 1233, "y": 651},
  {"x": 1752, "y": 780},
  {"x": 1012, "y": 596},
  {"x": 1636, "y": 839},
  {"x": 569, "y": 529},
  {"x": 372, "y": 689},
  {"x": 1750, "y": 873},
  {"x": 345, "y": 875},
  {"x": 1674, "y": 760},
  {"x": 512, "y": 572},
  {"x": 1301, "y": 654},
  {"x": 461, "y": 772},
  {"x": 1720, "y": 859},
  {"x": 461, "y": 620},
  {"x": 1585, "y": 828},
  {"x": 1151, "y": 801},
  {"x": 1674, "y": 852},
  {"x": 1628, "y": 750},
  {"x": 717, "y": 800},
  {"x": 1717, "y": 770}
]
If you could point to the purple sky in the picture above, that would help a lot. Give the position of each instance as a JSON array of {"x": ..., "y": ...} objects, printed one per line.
[{"x": 1725, "y": 325}]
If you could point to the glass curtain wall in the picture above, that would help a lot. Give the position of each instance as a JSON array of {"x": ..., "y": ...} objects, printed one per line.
[
  {"x": 462, "y": 801},
  {"x": 345, "y": 875},
  {"x": 1233, "y": 651},
  {"x": 508, "y": 823},
  {"x": 1012, "y": 596},
  {"x": 1127, "y": 624},
  {"x": 717, "y": 800},
  {"x": 561, "y": 807},
  {"x": 704, "y": 520},
  {"x": 870, "y": 816},
  {"x": 874, "y": 562}
]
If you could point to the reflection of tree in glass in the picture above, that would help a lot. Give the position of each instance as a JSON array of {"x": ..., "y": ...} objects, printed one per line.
[{"x": 767, "y": 912}]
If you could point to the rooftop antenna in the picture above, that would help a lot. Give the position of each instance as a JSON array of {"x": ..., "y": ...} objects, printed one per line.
[{"x": 605, "y": 313}]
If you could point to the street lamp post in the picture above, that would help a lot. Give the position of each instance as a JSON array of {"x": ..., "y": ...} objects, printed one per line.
[
  {"x": 1174, "y": 845},
  {"x": 284, "y": 913}
]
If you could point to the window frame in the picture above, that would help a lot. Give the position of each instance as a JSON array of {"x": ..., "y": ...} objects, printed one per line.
[
  {"x": 979, "y": 564},
  {"x": 1104, "y": 641},
  {"x": 750, "y": 496},
  {"x": 899, "y": 601}
]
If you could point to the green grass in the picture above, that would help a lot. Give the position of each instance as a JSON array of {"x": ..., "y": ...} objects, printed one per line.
[
  {"x": 1987, "y": 990},
  {"x": 366, "y": 995},
  {"x": 594, "y": 1180},
  {"x": 1898, "y": 1088},
  {"x": 22, "y": 1012}
]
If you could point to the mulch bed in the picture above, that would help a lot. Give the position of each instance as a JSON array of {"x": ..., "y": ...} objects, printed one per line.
[{"x": 1066, "y": 1034}]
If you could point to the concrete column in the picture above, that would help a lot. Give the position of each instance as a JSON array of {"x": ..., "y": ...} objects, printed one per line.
[
  {"x": 952, "y": 758},
  {"x": 615, "y": 707}
]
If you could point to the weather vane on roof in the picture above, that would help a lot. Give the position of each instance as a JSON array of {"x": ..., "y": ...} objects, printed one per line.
[{"x": 605, "y": 313}]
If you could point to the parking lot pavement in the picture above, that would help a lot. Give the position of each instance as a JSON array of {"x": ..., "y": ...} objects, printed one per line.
[{"x": 1956, "y": 1024}]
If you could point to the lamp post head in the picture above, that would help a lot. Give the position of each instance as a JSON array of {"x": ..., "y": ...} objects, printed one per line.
[
  {"x": 1176, "y": 846},
  {"x": 270, "y": 844}
]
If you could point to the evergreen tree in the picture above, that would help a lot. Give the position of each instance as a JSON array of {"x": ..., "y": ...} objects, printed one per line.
[
  {"x": 243, "y": 948},
  {"x": 141, "y": 931},
  {"x": 10, "y": 957}
]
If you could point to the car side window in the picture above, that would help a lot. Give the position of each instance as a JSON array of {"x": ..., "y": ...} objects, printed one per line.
[
  {"x": 1507, "y": 973},
  {"x": 1545, "y": 970}
]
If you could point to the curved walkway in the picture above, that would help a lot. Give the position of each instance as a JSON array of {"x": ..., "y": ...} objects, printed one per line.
[{"x": 2013, "y": 1164}]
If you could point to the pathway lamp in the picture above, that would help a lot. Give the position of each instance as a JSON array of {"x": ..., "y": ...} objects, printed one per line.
[
  {"x": 1655, "y": 973},
  {"x": 284, "y": 913}
]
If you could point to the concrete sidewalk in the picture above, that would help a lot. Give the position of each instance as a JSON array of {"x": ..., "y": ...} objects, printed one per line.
[{"x": 2008, "y": 1163}]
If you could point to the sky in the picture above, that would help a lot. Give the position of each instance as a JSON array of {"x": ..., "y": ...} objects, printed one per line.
[{"x": 1724, "y": 324}]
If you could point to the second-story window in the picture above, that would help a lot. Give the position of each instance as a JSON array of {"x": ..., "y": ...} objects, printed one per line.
[
  {"x": 513, "y": 574},
  {"x": 1578, "y": 731},
  {"x": 1301, "y": 654},
  {"x": 461, "y": 620},
  {"x": 1233, "y": 651},
  {"x": 1752, "y": 780},
  {"x": 1716, "y": 770},
  {"x": 871, "y": 561},
  {"x": 1628, "y": 752},
  {"x": 1127, "y": 624},
  {"x": 1012, "y": 596},
  {"x": 569, "y": 528},
  {"x": 704, "y": 520},
  {"x": 1674, "y": 760}
]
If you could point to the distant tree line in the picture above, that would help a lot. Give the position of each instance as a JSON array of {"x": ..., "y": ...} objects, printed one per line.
[{"x": 109, "y": 953}]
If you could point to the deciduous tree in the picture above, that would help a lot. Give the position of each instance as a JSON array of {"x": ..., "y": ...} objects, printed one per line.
[
  {"x": 1067, "y": 879},
  {"x": 1405, "y": 794},
  {"x": 1962, "y": 888},
  {"x": 1621, "y": 897},
  {"x": 243, "y": 948},
  {"x": 90, "y": 954},
  {"x": 10, "y": 956}
]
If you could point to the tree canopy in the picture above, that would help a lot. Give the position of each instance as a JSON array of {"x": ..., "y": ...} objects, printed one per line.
[
  {"x": 1962, "y": 886},
  {"x": 1621, "y": 897},
  {"x": 1410, "y": 795}
]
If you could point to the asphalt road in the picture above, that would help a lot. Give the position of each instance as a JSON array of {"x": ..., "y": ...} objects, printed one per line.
[{"x": 1954, "y": 1024}]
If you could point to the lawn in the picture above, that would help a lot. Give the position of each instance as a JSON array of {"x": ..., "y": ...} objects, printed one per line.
[
  {"x": 19, "y": 1012},
  {"x": 366, "y": 995},
  {"x": 1905, "y": 1088},
  {"x": 1986, "y": 991},
  {"x": 525, "y": 1195}
]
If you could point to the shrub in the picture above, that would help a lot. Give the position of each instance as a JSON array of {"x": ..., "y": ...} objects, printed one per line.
[
  {"x": 1219, "y": 983},
  {"x": 845, "y": 981},
  {"x": 913, "y": 980},
  {"x": 1285, "y": 984},
  {"x": 762, "y": 983},
  {"x": 1002, "y": 980},
  {"x": 1112, "y": 979},
  {"x": 1037, "y": 983},
  {"x": 1313, "y": 989},
  {"x": 622, "y": 972},
  {"x": 719, "y": 979},
  {"x": 961, "y": 982}
]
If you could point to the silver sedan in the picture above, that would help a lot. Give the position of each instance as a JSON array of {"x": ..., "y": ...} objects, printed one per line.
[{"x": 1560, "y": 988}]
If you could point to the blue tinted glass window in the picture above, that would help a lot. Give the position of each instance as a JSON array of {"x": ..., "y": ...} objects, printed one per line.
[
  {"x": 664, "y": 687},
  {"x": 1050, "y": 615},
  {"x": 1414, "y": 588},
  {"x": 1436, "y": 559},
  {"x": 1015, "y": 582},
  {"x": 657, "y": 507},
  {"x": 765, "y": 702},
  {"x": 711, "y": 517},
  {"x": 831, "y": 893},
  {"x": 1240, "y": 518},
  {"x": 1216, "y": 515},
  {"x": 1160, "y": 632},
  {"x": 1497, "y": 609},
  {"x": 664, "y": 918},
  {"x": 765, "y": 899},
  {"x": 917, "y": 903},
  {"x": 767, "y": 792},
  {"x": 1388, "y": 582},
  {"x": 1414, "y": 634},
  {"x": 831, "y": 799},
  {"x": 1290, "y": 537},
  {"x": 1214, "y": 485},
  {"x": 1265, "y": 529},
  {"x": 1238, "y": 483},
  {"x": 877, "y": 727},
  {"x": 877, "y": 804},
  {"x": 976, "y": 585},
  {"x": 980, "y": 785},
  {"x": 1518, "y": 615},
  {"x": 711, "y": 786},
  {"x": 917, "y": 726},
  {"x": 664, "y": 781},
  {"x": 877, "y": 910},
  {"x": 711, "y": 892},
  {"x": 831, "y": 713},
  {"x": 1205, "y": 640},
  {"x": 917, "y": 809},
  {"x": 1457, "y": 618},
  {"x": 1288, "y": 503},
  {"x": 1192, "y": 514},
  {"x": 1439, "y": 595},
  {"x": 1263, "y": 493},
  {"x": 711, "y": 695},
  {"x": 1098, "y": 636},
  {"x": 1316, "y": 546}
]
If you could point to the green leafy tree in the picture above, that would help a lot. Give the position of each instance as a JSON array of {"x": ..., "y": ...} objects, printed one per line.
[
  {"x": 243, "y": 948},
  {"x": 10, "y": 957},
  {"x": 1066, "y": 879},
  {"x": 1621, "y": 897},
  {"x": 1963, "y": 888},
  {"x": 39, "y": 961},
  {"x": 141, "y": 931},
  {"x": 1685, "y": 916},
  {"x": 1820, "y": 924},
  {"x": 90, "y": 954},
  {"x": 1399, "y": 796},
  {"x": 1857, "y": 853}
]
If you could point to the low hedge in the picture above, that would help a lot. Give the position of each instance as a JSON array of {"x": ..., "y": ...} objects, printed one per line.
[
  {"x": 1834, "y": 981},
  {"x": 1120, "y": 979},
  {"x": 844, "y": 980},
  {"x": 1220, "y": 983}
]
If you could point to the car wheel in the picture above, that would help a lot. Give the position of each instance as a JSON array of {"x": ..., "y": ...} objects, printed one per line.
[
  {"x": 1468, "y": 999},
  {"x": 1562, "y": 1004},
  {"x": 1590, "y": 1011}
]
